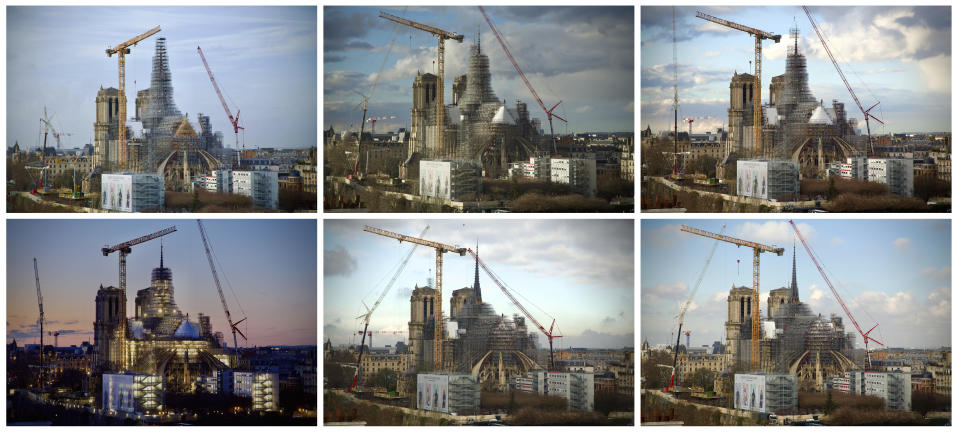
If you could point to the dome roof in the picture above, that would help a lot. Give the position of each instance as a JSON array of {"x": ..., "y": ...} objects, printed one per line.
[
  {"x": 184, "y": 130},
  {"x": 820, "y": 116},
  {"x": 503, "y": 116},
  {"x": 186, "y": 330}
]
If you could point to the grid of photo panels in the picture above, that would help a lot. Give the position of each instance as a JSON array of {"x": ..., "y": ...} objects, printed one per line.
[
  {"x": 161, "y": 224},
  {"x": 477, "y": 214},
  {"x": 813, "y": 285}
]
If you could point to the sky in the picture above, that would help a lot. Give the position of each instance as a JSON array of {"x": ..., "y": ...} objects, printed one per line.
[
  {"x": 583, "y": 278},
  {"x": 263, "y": 58},
  {"x": 898, "y": 56},
  {"x": 583, "y": 56},
  {"x": 269, "y": 265},
  {"x": 892, "y": 272}
]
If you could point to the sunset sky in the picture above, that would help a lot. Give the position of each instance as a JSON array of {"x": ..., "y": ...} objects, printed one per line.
[{"x": 270, "y": 265}]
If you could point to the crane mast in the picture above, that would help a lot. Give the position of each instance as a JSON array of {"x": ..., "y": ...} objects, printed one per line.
[
  {"x": 865, "y": 336},
  {"x": 234, "y": 121},
  {"x": 442, "y": 35},
  {"x": 438, "y": 296},
  {"x": 121, "y": 50},
  {"x": 366, "y": 316},
  {"x": 548, "y": 333},
  {"x": 124, "y": 249},
  {"x": 758, "y": 248},
  {"x": 686, "y": 304},
  {"x": 223, "y": 300},
  {"x": 36, "y": 275},
  {"x": 550, "y": 114},
  {"x": 759, "y": 36},
  {"x": 866, "y": 112}
]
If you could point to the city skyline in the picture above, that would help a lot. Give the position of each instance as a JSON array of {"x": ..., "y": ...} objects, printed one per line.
[
  {"x": 269, "y": 265},
  {"x": 584, "y": 281},
  {"x": 263, "y": 58},
  {"x": 895, "y": 273},
  {"x": 588, "y": 65},
  {"x": 898, "y": 56}
]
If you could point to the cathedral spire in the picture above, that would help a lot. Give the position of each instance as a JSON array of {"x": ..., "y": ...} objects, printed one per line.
[
  {"x": 476, "y": 274},
  {"x": 794, "y": 292}
]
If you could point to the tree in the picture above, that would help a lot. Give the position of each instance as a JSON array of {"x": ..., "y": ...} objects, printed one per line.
[
  {"x": 512, "y": 405},
  {"x": 656, "y": 377},
  {"x": 830, "y": 404},
  {"x": 702, "y": 378},
  {"x": 385, "y": 378},
  {"x": 832, "y": 189},
  {"x": 195, "y": 202}
]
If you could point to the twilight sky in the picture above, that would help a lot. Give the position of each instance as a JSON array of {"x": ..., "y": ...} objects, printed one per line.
[
  {"x": 898, "y": 56},
  {"x": 892, "y": 272},
  {"x": 270, "y": 264},
  {"x": 583, "y": 277},
  {"x": 583, "y": 56},
  {"x": 264, "y": 60}
]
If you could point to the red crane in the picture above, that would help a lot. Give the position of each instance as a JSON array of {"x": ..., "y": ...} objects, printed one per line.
[
  {"x": 550, "y": 114},
  {"x": 865, "y": 336},
  {"x": 496, "y": 280},
  {"x": 373, "y": 122},
  {"x": 866, "y": 112},
  {"x": 235, "y": 121}
]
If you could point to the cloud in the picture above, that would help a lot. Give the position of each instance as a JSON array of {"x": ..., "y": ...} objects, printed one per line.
[
  {"x": 661, "y": 290},
  {"x": 628, "y": 107},
  {"x": 583, "y": 109},
  {"x": 338, "y": 262},
  {"x": 607, "y": 321},
  {"x": 837, "y": 241},
  {"x": 720, "y": 297},
  {"x": 902, "y": 243},
  {"x": 897, "y": 304},
  {"x": 774, "y": 233},
  {"x": 936, "y": 70},
  {"x": 594, "y": 339},
  {"x": 942, "y": 273}
]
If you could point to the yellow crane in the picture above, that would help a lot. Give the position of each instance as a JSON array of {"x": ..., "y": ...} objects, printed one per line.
[
  {"x": 758, "y": 248},
  {"x": 758, "y": 35},
  {"x": 121, "y": 50},
  {"x": 442, "y": 35},
  {"x": 438, "y": 297}
]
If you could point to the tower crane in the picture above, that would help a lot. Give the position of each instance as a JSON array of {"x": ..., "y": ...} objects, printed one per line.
[
  {"x": 690, "y": 121},
  {"x": 121, "y": 50},
  {"x": 550, "y": 114},
  {"x": 366, "y": 316},
  {"x": 440, "y": 249},
  {"x": 866, "y": 112},
  {"x": 45, "y": 120},
  {"x": 36, "y": 275},
  {"x": 442, "y": 35},
  {"x": 548, "y": 333},
  {"x": 865, "y": 336},
  {"x": 56, "y": 337},
  {"x": 758, "y": 248},
  {"x": 686, "y": 306},
  {"x": 234, "y": 121},
  {"x": 124, "y": 249},
  {"x": 223, "y": 301},
  {"x": 373, "y": 122},
  {"x": 759, "y": 36}
]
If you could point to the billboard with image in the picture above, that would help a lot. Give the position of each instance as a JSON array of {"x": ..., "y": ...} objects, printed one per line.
[
  {"x": 435, "y": 179},
  {"x": 752, "y": 179},
  {"x": 115, "y": 192},
  {"x": 748, "y": 392},
  {"x": 432, "y": 392}
]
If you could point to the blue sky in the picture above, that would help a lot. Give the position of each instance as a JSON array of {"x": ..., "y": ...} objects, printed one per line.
[
  {"x": 898, "y": 56},
  {"x": 583, "y": 56},
  {"x": 264, "y": 59},
  {"x": 579, "y": 272},
  {"x": 270, "y": 265},
  {"x": 892, "y": 272}
]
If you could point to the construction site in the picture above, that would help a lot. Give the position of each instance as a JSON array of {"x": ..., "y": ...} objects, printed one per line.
[
  {"x": 158, "y": 144},
  {"x": 780, "y": 349},
  {"x": 458, "y": 145},
  {"x": 149, "y": 368},
  {"x": 456, "y": 356},
  {"x": 793, "y": 133}
]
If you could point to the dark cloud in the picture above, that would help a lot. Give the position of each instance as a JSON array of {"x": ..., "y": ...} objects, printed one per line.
[
  {"x": 339, "y": 81},
  {"x": 343, "y": 30},
  {"x": 338, "y": 262},
  {"x": 594, "y": 339},
  {"x": 333, "y": 58}
]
